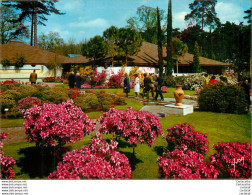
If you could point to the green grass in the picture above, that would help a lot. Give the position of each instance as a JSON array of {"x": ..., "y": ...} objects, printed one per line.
[
  {"x": 5, "y": 123},
  {"x": 219, "y": 127},
  {"x": 119, "y": 91}
]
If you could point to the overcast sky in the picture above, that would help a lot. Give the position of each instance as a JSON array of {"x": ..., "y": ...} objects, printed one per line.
[{"x": 87, "y": 18}]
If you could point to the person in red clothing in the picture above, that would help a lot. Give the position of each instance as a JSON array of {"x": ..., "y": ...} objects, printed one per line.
[{"x": 212, "y": 81}]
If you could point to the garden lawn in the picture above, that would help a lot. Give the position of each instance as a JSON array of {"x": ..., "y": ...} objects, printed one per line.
[
  {"x": 219, "y": 127},
  {"x": 119, "y": 91},
  {"x": 5, "y": 123}
]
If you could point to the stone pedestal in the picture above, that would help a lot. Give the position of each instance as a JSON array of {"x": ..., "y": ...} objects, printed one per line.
[{"x": 171, "y": 109}]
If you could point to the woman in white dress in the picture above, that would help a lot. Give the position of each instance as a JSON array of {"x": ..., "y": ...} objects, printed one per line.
[{"x": 137, "y": 85}]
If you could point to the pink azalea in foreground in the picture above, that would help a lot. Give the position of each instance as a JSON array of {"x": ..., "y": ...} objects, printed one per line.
[
  {"x": 134, "y": 126},
  {"x": 99, "y": 160},
  {"x": 232, "y": 160},
  {"x": 61, "y": 123},
  {"x": 6, "y": 162}
]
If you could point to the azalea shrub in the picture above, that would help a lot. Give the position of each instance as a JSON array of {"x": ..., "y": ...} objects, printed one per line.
[
  {"x": 29, "y": 102},
  {"x": 194, "y": 81},
  {"x": 116, "y": 81},
  {"x": 53, "y": 79},
  {"x": 97, "y": 78},
  {"x": 99, "y": 160},
  {"x": 7, "y": 163},
  {"x": 183, "y": 163},
  {"x": 7, "y": 101},
  {"x": 52, "y": 124},
  {"x": 232, "y": 160},
  {"x": 184, "y": 134},
  {"x": 222, "y": 97},
  {"x": 134, "y": 126}
]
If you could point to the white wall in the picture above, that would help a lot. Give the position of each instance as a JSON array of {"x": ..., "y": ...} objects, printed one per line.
[{"x": 23, "y": 74}]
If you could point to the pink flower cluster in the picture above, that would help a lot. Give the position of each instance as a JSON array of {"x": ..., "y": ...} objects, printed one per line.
[
  {"x": 164, "y": 89},
  {"x": 98, "y": 78},
  {"x": 6, "y": 162},
  {"x": 99, "y": 160},
  {"x": 64, "y": 123},
  {"x": 185, "y": 164},
  {"x": 134, "y": 126},
  {"x": 232, "y": 160},
  {"x": 184, "y": 134},
  {"x": 116, "y": 81},
  {"x": 29, "y": 102},
  {"x": 87, "y": 86},
  {"x": 52, "y": 79}
]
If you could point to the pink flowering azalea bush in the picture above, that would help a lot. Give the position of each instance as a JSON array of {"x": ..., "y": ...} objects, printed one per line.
[
  {"x": 134, "y": 126},
  {"x": 6, "y": 162},
  {"x": 184, "y": 134},
  {"x": 62, "y": 123},
  {"x": 116, "y": 81},
  {"x": 164, "y": 89},
  {"x": 98, "y": 78},
  {"x": 232, "y": 160},
  {"x": 185, "y": 164},
  {"x": 29, "y": 102},
  {"x": 99, "y": 160}
]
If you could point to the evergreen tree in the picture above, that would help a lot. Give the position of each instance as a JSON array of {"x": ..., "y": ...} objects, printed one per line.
[
  {"x": 160, "y": 47},
  {"x": 169, "y": 65},
  {"x": 248, "y": 17},
  {"x": 196, "y": 63},
  {"x": 35, "y": 11}
]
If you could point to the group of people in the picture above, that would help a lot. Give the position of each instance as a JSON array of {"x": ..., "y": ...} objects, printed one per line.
[
  {"x": 74, "y": 80},
  {"x": 151, "y": 83}
]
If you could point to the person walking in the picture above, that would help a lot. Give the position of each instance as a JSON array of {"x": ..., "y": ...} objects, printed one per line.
[
  {"x": 146, "y": 85},
  {"x": 137, "y": 85},
  {"x": 33, "y": 77},
  {"x": 126, "y": 86},
  {"x": 71, "y": 79},
  {"x": 158, "y": 85},
  {"x": 151, "y": 85},
  {"x": 78, "y": 80}
]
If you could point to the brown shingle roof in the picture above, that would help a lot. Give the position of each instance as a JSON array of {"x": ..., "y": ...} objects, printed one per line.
[
  {"x": 77, "y": 60},
  {"x": 32, "y": 55},
  {"x": 148, "y": 54}
]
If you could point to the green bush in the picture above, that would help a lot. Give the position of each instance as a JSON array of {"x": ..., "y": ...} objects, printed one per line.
[
  {"x": 7, "y": 101},
  {"x": 169, "y": 81},
  {"x": 53, "y": 95},
  {"x": 225, "y": 98},
  {"x": 92, "y": 100},
  {"x": 80, "y": 102},
  {"x": 105, "y": 100},
  {"x": 9, "y": 86},
  {"x": 27, "y": 90},
  {"x": 15, "y": 112},
  {"x": 13, "y": 94},
  {"x": 117, "y": 100}
]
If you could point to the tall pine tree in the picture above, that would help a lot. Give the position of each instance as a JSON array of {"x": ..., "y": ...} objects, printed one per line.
[
  {"x": 160, "y": 47},
  {"x": 196, "y": 63},
  {"x": 36, "y": 11},
  {"x": 169, "y": 65}
]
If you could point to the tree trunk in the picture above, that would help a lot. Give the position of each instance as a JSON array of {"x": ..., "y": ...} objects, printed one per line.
[
  {"x": 177, "y": 65},
  {"x": 35, "y": 27},
  {"x": 32, "y": 24}
]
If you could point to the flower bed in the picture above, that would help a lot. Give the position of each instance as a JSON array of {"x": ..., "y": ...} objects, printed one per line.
[
  {"x": 6, "y": 162},
  {"x": 53, "y": 124},
  {"x": 99, "y": 160},
  {"x": 185, "y": 164},
  {"x": 232, "y": 160},
  {"x": 184, "y": 134},
  {"x": 134, "y": 126}
]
